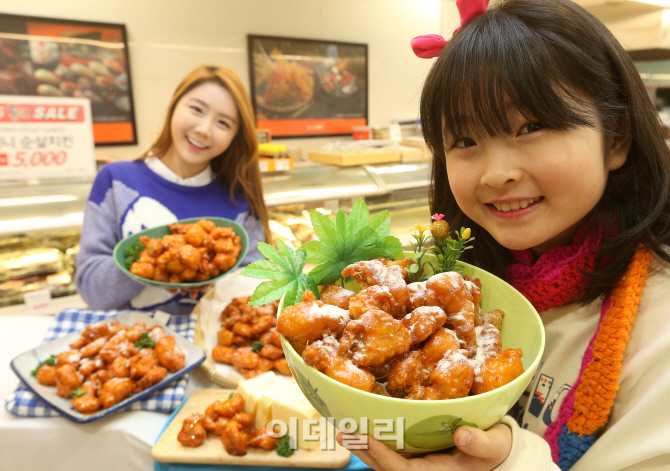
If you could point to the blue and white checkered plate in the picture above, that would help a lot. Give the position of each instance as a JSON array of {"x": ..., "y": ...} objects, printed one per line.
[{"x": 26, "y": 362}]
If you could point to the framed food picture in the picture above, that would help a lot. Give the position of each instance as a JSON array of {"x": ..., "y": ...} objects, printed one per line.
[
  {"x": 306, "y": 87},
  {"x": 70, "y": 58}
]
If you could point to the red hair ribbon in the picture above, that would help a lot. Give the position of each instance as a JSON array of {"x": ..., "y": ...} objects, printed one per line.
[{"x": 430, "y": 45}]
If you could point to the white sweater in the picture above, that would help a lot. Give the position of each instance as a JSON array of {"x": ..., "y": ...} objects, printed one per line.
[{"x": 637, "y": 436}]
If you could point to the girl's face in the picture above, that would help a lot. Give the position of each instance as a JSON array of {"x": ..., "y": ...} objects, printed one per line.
[
  {"x": 204, "y": 123},
  {"x": 533, "y": 188}
]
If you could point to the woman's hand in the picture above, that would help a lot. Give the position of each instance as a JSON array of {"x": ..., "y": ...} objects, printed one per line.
[
  {"x": 193, "y": 293},
  {"x": 476, "y": 450}
]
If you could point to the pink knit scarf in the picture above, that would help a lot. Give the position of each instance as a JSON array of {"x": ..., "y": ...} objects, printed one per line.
[{"x": 558, "y": 276}]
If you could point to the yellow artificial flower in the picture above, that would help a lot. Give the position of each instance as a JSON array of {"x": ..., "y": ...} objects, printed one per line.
[
  {"x": 466, "y": 233},
  {"x": 421, "y": 228}
]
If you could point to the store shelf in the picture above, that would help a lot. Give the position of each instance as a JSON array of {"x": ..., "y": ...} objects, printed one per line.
[
  {"x": 401, "y": 176},
  {"x": 318, "y": 182}
]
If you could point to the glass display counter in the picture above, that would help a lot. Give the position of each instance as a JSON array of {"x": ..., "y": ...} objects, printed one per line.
[
  {"x": 40, "y": 221},
  {"x": 40, "y": 224}
]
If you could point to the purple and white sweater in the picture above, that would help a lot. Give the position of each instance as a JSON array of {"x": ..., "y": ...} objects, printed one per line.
[{"x": 128, "y": 197}]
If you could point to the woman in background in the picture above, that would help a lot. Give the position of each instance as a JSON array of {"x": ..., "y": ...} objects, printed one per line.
[{"x": 203, "y": 164}]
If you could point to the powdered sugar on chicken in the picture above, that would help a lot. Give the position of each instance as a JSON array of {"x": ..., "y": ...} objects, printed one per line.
[{"x": 488, "y": 345}]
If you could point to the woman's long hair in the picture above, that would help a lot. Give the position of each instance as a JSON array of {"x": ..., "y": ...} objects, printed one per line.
[
  {"x": 554, "y": 61},
  {"x": 237, "y": 166}
]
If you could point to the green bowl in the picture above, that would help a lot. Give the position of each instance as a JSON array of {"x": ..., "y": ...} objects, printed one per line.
[
  {"x": 428, "y": 426},
  {"x": 160, "y": 231}
]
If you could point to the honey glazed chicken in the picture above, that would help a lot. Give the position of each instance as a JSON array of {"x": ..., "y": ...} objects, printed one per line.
[
  {"x": 192, "y": 252},
  {"x": 227, "y": 420},
  {"x": 110, "y": 362},
  {"x": 248, "y": 339},
  {"x": 424, "y": 341}
]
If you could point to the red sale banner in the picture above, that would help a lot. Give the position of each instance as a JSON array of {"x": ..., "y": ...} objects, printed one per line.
[
  {"x": 26, "y": 113},
  {"x": 45, "y": 138}
]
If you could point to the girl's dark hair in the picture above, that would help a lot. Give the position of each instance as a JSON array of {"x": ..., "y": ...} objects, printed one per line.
[{"x": 554, "y": 61}]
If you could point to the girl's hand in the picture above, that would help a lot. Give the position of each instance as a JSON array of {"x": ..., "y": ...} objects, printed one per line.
[
  {"x": 192, "y": 292},
  {"x": 476, "y": 450}
]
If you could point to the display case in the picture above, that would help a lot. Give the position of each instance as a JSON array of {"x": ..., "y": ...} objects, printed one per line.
[
  {"x": 400, "y": 188},
  {"x": 40, "y": 221},
  {"x": 40, "y": 224}
]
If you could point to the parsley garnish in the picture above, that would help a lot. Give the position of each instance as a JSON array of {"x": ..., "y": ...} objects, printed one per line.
[
  {"x": 132, "y": 253},
  {"x": 284, "y": 446},
  {"x": 256, "y": 346},
  {"x": 230, "y": 396},
  {"x": 145, "y": 342},
  {"x": 77, "y": 393},
  {"x": 51, "y": 361},
  {"x": 343, "y": 240}
]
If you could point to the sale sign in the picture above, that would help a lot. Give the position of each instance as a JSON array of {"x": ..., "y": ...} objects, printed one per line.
[{"x": 45, "y": 137}]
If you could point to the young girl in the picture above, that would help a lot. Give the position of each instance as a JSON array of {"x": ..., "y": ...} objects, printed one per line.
[
  {"x": 547, "y": 145},
  {"x": 204, "y": 163}
]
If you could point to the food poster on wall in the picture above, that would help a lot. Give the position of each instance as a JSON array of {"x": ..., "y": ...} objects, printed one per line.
[
  {"x": 306, "y": 87},
  {"x": 61, "y": 58}
]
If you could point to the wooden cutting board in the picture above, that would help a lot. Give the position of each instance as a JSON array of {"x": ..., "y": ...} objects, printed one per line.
[{"x": 169, "y": 450}]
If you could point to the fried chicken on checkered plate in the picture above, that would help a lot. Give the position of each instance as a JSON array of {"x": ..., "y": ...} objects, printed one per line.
[
  {"x": 169, "y": 353},
  {"x": 115, "y": 390}
]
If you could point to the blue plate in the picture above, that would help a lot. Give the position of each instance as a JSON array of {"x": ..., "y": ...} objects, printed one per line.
[{"x": 26, "y": 362}]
